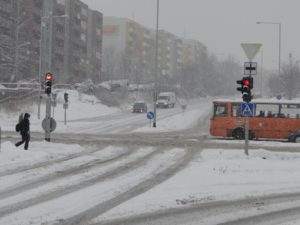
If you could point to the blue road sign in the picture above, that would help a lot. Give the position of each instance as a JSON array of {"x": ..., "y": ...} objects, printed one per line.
[
  {"x": 150, "y": 115},
  {"x": 247, "y": 109}
]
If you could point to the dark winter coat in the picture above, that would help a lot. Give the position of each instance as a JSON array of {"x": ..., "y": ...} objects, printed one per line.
[{"x": 24, "y": 124}]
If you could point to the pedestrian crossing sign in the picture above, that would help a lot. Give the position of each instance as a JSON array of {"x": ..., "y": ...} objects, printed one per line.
[{"x": 247, "y": 109}]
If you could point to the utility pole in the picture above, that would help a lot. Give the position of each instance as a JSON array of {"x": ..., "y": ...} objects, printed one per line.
[
  {"x": 48, "y": 90},
  {"x": 156, "y": 57},
  {"x": 40, "y": 68},
  {"x": 50, "y": 39},
  {"x": 17, "y": 41}
]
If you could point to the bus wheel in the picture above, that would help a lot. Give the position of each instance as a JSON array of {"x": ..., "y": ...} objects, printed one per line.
[
  {"x": 238, "y": 133},
  {"x": 251, "y": 135},
  {"x": 297, "y": 139}
]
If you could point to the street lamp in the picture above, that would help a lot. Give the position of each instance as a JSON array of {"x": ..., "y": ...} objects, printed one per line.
[
  {"x": 279, "y": 40},
  {"x": 156, "y": 56},
  {"x": 50, "y": 52}
]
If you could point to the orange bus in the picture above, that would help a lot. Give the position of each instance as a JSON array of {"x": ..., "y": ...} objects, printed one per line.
[{"x": 271, "y": 119}]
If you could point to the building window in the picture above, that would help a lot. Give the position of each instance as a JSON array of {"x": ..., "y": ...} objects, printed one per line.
[
  {"x": 38, "y": 3},
  {"x": 84, "y": 11},
  {"x": 83, "y": 37},
  {"x": 36, "y": 19},
  {"x": 98, "y": 31},
  {"x": 59, "y": 43},
  {"x": 60, "y": 28},
  {"x": 59, "y": 57},
  {"x": 62, "y": 2},
  {"x": 83, "y": 25},
  {"x": 98, "y": 55},
  {"x": 76, "y": 34}
]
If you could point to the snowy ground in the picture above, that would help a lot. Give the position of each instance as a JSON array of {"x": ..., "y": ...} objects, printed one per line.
[
  {"x": 214, "y": 174},
  {"x": 218, "y": 174}
]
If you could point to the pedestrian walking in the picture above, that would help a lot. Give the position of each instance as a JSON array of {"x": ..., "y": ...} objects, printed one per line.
[{"x": 24, "y": 131}]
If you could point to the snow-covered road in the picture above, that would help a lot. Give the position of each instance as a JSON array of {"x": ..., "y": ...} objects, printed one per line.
[{"x": 108, "y": 166}]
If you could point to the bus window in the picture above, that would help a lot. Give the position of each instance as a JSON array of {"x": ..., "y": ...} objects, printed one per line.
[
  {"x": 266, "y": 110},
  {"x": 220, "y": 110},
  {"x": 261, "y": 113},
  {"x": 290, "y": 110},
  {"x": 236, "y": 110}
]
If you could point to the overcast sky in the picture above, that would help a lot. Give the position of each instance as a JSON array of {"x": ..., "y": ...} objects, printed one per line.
[{"x": 222, "y": 25}]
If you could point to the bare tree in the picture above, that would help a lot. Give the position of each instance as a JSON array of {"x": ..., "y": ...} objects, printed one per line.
[{"x": 291, "y": 78}]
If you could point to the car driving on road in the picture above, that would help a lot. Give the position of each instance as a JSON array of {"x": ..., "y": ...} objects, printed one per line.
[{"x": 139, "y": 107}]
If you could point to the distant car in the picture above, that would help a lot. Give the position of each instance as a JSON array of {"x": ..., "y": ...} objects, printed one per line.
[{"x": 139, "y": 107}]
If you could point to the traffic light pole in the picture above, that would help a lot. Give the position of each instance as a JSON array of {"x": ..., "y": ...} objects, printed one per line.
[
  {"x": 65, "y": 117},
  {"x": 246, "y": 85},
  {"x": 48, "y": 117},
  {"x": 155, "y": 62},
  {"x": 247, "y": 119},
  {"x": 247, "y": 135}
]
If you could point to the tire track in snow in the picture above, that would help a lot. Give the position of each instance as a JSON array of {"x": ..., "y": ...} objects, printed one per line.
[
  {"x": 119, "y": 170},
  {"x": 205, "y": 213},
  {"x": 21, "y": 169},
  {"x": 57, "y": 173},
  {"x": 143, "y": 186}
]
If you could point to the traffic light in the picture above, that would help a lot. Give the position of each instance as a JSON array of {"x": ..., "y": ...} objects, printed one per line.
[
  {"x": 48, "y": 83},
  {"x": 240, "y": 82},
  {"x": 66, "y": 97},
  {"x": 245, "y": 88}
]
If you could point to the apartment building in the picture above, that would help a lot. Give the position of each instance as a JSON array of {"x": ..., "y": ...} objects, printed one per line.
[
  {"x": 193, "y": 52},
  {"x": 94, "y": 47},
  {"x": 76, "y": 41},
  {"x": 169, "y": 54},
  {"x": 29, "y": 33},
  {"x": 6, "y": 34},
  {"x": 65, "y": 33},
  {"x": 127, "y": 50}
]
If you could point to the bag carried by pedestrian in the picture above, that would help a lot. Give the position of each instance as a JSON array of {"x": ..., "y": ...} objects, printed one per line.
[{"x": 18, "y": 125}]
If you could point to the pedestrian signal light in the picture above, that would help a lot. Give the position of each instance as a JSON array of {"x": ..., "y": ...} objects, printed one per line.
[
  {"x": 66, "y": 97},
  {"x": 48, "y": 83}
]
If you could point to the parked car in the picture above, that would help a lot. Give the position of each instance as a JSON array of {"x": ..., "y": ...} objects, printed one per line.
[{"x": 139, "y": 107}]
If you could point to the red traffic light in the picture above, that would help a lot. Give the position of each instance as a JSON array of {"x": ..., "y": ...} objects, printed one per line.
[
  {"x": 48, "y": 76},
  {"x": 48, "y": 83},
  {"x": 246, "y": 82}
]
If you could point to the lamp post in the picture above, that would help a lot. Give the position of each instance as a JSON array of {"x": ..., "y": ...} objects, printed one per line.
[
  {"x": 50, "y": 52},
  {"x": 279, "y": 40},
  {"x": 155, "y": 62}
]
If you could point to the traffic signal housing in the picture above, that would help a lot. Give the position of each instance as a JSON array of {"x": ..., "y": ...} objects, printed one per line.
[
  {"x": 66, "y": 97},
  {"x": 245, "y": 88},
  {"x": 48, "y": 83}
]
